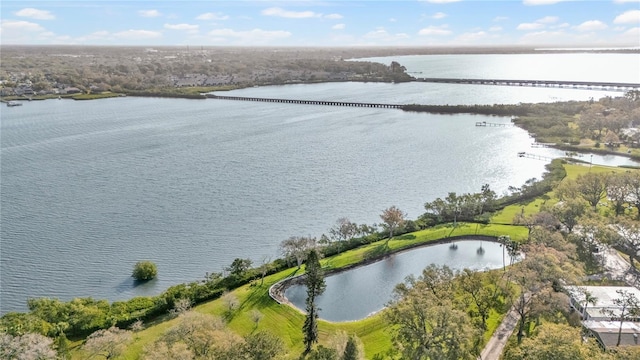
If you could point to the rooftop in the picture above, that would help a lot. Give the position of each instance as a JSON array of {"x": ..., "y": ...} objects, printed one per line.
[{"x": 607, "y": 332}]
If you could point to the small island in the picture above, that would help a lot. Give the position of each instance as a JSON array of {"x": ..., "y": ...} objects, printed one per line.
[{"x": 144, "y": 271}]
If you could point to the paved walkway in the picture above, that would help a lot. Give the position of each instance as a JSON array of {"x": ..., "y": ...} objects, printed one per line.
[
  {"x": 618, "y": 267},
  {"x": 494, "y": 347}
]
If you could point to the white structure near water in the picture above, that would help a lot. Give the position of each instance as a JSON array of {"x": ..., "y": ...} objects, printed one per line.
[{"x": 601, "y": 315}]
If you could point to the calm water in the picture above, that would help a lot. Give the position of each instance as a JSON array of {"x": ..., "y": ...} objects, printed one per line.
[
  {"x": 577, "y": 66},
  {"x": 357, "y": 293},
  {"x": 90, "y": 187}
]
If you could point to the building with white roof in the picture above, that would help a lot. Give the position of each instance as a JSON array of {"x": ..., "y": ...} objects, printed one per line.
[
  {"x": 604, "y": 308},
  {"x": 601, "y": 316}
]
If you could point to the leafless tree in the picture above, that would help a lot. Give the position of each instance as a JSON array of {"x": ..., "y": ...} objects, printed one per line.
[
  {"x": 297, "y": 247},
  {"x": 109, "y": 343},
  {"x": 393, "y": 218},
  {"x": 27, "y": 346}
]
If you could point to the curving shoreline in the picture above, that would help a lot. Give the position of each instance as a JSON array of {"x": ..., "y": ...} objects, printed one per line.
[{"x": 277, "y": 290}]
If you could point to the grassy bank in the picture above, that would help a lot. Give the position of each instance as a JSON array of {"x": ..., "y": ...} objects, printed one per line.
[
  {"x": 286, "y": 322},
  {"x": 104, "y": 95},
  {"x": 183, "y": 93},
  {"x": 186, "y": 92}
]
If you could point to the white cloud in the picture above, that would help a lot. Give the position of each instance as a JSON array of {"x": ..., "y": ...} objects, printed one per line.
[
  {"x": 339, "y": 27},
  {"x": 548, "y": 20},
  {"x": 276, "y": 11},
  {"x": 333, "y": 16},
  {"x": 187, "y": 27},
  {"x": 434, "y": 30},
  {"x": 541, "y": 2},
  {"x": 22, "y": 32},
  {"x": 538, "y": 24},
  {"x": 500, "y": 18},
  {"x": 19, "y": 25},
  {"x": 591, "y": 25},
  {"x": 439, "y": 15},
  {"x": 138, "y": 34},
  {"x": 495, "y": 28},
  {"x": 530, "y": 26},
  {"x": 393, "y": 20},
  {"x": 628, "y": 17},
  {"x": 255, "y": 36},
  {"x": 149, "y": 13},
  {"x": 381, "y": 35},
  {"x": 632, "y": 35},
  {"x": 212, "y": 16},
  {"x": 94, "y": 36},
  {"x": 35, "y": 14},
  {"x": 625, "y": 1}
]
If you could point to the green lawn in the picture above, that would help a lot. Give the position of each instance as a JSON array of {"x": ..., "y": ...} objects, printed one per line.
[
  {"x": 95, "y": 96},
  {"x": 573, "y": 170},
  {"x": 506, "y": 215},
  {"x": 286, "y": 322}
]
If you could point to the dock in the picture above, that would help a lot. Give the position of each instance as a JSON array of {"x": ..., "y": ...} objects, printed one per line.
[
  {"x": 527, "y": 155},
  {"x": 484, "y": 123},
  {"x": 543, "y": 145}
]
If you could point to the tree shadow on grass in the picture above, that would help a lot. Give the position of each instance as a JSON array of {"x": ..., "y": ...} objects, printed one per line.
[
  {"x": 259, "y": 296},
  {"x": 378, "y": 251}
]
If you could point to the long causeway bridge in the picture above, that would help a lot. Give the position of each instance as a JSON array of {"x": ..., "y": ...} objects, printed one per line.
[
  {"x": 613, "y": 86},
  {"x": 589, "y": 85},
  {"x": 307, "y": 102}
]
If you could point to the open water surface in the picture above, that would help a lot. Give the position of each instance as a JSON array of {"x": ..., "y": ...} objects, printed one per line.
[{"x": 88, "y": 188}]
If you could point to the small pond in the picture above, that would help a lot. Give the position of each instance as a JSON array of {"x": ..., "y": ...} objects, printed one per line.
[{"x": 354, "y": 294}]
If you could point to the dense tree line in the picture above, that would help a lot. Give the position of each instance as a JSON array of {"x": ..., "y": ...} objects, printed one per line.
[
  {"x": 498, "y": 110},
  {"x": 137, "y": 70}
]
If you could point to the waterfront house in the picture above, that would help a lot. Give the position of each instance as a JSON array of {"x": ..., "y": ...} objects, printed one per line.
[{"x": 601, "y": 314}]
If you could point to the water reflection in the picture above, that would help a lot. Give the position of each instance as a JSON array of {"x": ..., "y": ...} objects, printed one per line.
[{"x": 357, "y": 293}]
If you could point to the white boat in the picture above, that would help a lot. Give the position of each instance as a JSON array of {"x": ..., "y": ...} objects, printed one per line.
[{"x": 14, "y": 103}]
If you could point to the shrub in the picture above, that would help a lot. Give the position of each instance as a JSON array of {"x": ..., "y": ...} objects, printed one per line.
[{"x": 144, "y": 270}]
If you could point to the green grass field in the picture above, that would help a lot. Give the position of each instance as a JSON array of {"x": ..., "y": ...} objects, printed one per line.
[{"x": 286, "y": 322}]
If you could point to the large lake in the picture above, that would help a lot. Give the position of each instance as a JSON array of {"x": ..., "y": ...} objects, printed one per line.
[{"x": 90, "y": 187}]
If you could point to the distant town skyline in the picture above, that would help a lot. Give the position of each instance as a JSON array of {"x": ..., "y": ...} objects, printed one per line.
[{"x": 611, "y": 23}]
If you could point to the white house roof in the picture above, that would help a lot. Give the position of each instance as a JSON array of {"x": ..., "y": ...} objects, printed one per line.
[{"x": 604, "y": 294}]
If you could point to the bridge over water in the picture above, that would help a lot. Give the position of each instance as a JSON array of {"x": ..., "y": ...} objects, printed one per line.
[
  {"x": 307, "y": 102},
  {"x": 589, "y": 85},
  {"x": 546, "y": 83}
]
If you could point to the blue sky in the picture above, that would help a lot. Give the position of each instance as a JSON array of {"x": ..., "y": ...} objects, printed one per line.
[{"x": 322, "y": 23}]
